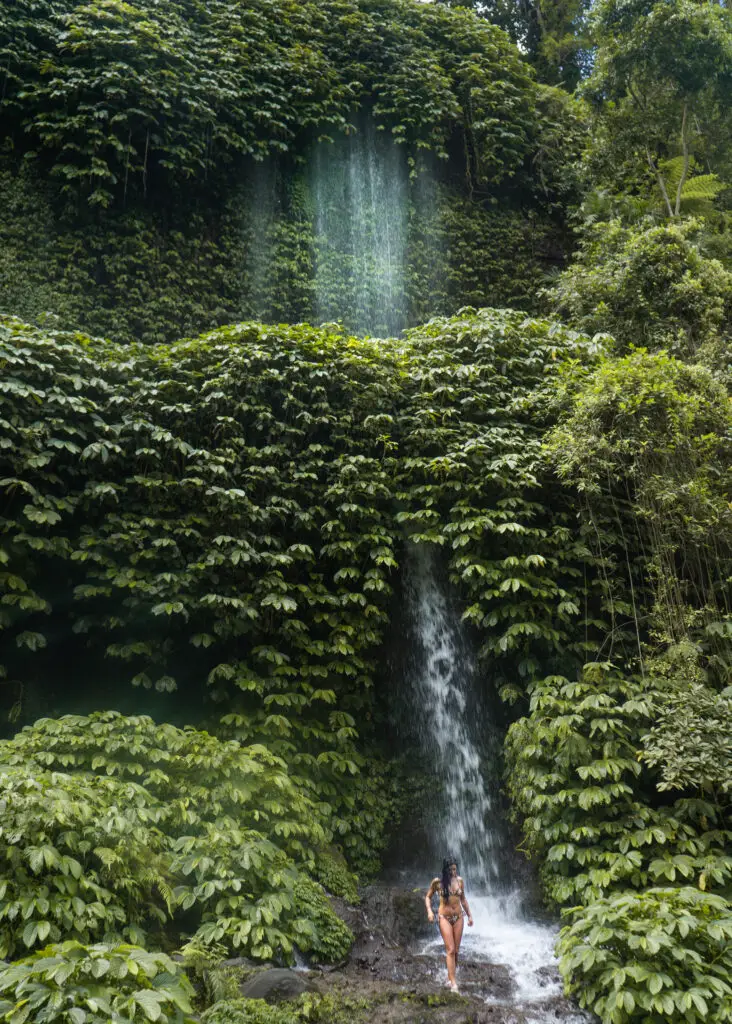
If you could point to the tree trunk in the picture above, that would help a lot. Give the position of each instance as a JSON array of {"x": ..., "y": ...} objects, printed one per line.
[
  {"x": 661, "y": 182},
  {"x": 685, "y": 169}
]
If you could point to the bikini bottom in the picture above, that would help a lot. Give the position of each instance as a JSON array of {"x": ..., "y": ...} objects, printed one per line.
[{"x": 451, "y": 918}]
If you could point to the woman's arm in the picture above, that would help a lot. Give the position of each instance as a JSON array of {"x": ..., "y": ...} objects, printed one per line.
[
  {"x": 434, "y": 886},
  {"x": 464, "y": 902}
]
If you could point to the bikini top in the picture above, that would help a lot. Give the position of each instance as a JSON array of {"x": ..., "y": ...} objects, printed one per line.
[{"x": 459, "y": 892}]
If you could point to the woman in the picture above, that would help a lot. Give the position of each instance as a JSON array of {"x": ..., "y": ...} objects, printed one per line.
[{"x": 453, "y": 906}]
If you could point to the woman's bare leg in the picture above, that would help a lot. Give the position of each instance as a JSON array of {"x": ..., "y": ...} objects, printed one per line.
[
  {"x": 457, "y": 932},
  {"x": 448, "y": 937}
]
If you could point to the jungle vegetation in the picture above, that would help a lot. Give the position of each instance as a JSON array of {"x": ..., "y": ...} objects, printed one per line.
[{"x": 205, "y": 500}]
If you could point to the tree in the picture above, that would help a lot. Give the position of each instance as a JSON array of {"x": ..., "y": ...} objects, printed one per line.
[
  {"x": 661, "y": 87},
  {"x": 651, "y": 285},
  {"x": 552, "y": 33}
]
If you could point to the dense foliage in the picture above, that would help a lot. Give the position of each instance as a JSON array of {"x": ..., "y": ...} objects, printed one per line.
[
  {"x": 152, "y": 188},
  {"x": 117, "y": 94},
  {"x": 222, "y": 514},
  {"x": 646, "y": 444},
  {"x": 661, "y": 89},
  {"x": 113, "y": 827},
  {"x": 153, "y": 274},
  {"x": 660, "y": 956},
  {"x": 551, "y": 34},
  {"x": 308, "y": 1009},
  {"x": 240, "y": 488},
  {"x": 650, "y": 286},
  {"x": 227, "y": 513},
  {"x": 654, "y": 222}
]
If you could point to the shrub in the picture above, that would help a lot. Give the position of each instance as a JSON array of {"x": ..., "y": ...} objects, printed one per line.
[
  {"x": 659, "y": 956},
  {"x": 102, "y": 857},
  {"x": 190, "y": 774},
  {"x": 648, "y": 286},
  {"x": 328, "y": 938},
  {"x": 250, "y": 1011},
  {"x": 310, "y": 1008},
  {"x": 576, "y": 780},
  {"x": 102, "y": 984},
  {"x": 79, "y": 858},
  {"x": 332, "y": 872}
]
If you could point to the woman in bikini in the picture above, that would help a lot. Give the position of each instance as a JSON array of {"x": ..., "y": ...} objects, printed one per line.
[{"x": 453, "y": 906}]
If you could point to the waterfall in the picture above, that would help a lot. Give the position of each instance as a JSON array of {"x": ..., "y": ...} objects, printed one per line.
[
  {"x": 464, "y": 821},
  {"x": 459, "y": 741},
  {"x": 360, "y": 190}
]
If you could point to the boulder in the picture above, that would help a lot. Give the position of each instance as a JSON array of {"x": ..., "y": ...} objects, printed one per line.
[
  {"x": 276, "y": 985},
  {"x": 392, "y": 916}
]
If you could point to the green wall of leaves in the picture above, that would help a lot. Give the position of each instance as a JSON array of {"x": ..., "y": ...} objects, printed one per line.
[
  {"x": 156, "y": 274},
  {"x": 139, "y": 147},
  {"x": 222, "y": 518}
]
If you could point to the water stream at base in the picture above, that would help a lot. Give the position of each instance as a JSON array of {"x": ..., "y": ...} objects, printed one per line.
[{"x": 457, "y": 737}]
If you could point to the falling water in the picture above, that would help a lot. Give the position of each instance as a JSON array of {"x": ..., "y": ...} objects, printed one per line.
[
  {"x": 463, "y": 818},
  {"x": 360, "y": 190},
  {"x": 261, "y": 249},
  {"x": 458, "y": 739}
]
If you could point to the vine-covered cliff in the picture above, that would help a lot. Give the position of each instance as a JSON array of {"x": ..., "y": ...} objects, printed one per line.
[
  {"x": 206, "y": 500},
  {"x": 159, "y": 165}
]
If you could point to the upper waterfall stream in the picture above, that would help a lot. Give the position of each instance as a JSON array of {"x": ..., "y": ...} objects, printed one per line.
[
  {"x": 458, "y": 738},
  {"x": 360, "y": 189}
]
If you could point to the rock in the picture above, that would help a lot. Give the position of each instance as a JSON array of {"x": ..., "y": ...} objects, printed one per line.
[
  {"x": 548, "y": 976},
  {"x": 241, "y": 961},
  {"x": 277, "y": 984},
  {"x": 390, "y": 916},
  {"x": 350, "y": 914}
]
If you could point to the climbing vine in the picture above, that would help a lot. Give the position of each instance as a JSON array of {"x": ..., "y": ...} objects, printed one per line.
[
  {"x": 157, "y": 275},
  {"x": 151, "y": 189},
  {"x": 123, "y": 96},
  {"x": 635, "y": 854}
]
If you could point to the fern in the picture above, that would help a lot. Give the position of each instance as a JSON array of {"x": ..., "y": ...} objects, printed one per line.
[
  {"x": 702, "y": 186},
  {"x": 155, "y": 880},
  {"x": 698, "y": 189}
]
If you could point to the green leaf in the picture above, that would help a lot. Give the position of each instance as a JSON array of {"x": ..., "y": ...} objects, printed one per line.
[{"x": 150, "y": 1003}]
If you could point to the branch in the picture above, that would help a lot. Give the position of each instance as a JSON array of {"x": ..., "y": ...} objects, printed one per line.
[
  {"x": 635, "y": 97},
  {"x": 661, "y": 182}
]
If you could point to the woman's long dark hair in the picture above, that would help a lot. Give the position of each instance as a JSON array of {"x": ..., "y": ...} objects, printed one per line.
[{"x": 446, "y": 877}]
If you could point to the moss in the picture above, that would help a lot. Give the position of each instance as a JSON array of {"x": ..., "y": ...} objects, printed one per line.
[
  {"x": 331, "y": 870},
  {"x": 330, "y": 939},
  {"x": 433, "y": 1000},
  {"x": 249, "y": 1011},
  {"x": 310, "y": 1008}
]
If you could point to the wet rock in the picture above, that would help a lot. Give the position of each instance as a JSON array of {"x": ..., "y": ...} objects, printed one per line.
[
  {"x": 389, "y": 916},
  {"x": 277, "y": 984},
  {"x": 547, "y": 976},
  {"x": 353, "y": 916}
]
